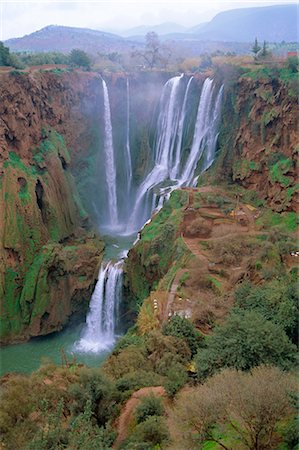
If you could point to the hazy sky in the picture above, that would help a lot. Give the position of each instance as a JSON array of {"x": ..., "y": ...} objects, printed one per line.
[{"x": 19, "y": 17}]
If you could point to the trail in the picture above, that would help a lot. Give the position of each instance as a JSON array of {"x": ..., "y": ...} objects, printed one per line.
[{"x": 129, "y": 408}]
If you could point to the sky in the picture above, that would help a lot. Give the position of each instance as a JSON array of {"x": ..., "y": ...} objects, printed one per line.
[{"x": 20, "y": 17}]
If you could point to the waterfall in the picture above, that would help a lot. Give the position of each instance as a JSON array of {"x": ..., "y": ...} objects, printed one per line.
[
  {"x": 201, "y": 132},
  {"x": 171, "y": 169},
  {"x": 175, "y": 169},
  {"x": 110, "y": 160},
  {"x": 167, "y": 125},
  {"x": 101, "y": 320},
  {"x": 128, "y": 159},
  {"x": 213, "y": 134}
]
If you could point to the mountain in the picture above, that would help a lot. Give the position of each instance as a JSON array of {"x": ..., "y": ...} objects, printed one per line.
[
  {"x": 162, "y": 29},
  {"x": 270, "y": 23},
  {"x": 64, "y": 39}
]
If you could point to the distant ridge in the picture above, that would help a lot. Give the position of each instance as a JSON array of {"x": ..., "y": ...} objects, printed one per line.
[
  {"x": 270, "y": 23},
  {"x": 64, "y": 39}
]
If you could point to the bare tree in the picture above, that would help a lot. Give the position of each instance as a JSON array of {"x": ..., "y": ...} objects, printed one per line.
[
  {"x": 249, "y": 403},
  {"x": 155, "y": 54}
]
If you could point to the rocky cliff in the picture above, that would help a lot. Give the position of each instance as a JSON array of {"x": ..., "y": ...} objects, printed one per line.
[
  {"x": 49, "y": 257},
  {"x": 259, "y": 137}
]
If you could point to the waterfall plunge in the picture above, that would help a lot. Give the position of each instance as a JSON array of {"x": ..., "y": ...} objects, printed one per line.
[
  {"x": 110, "y": 161},
  {"x": 128, "y": 159},
  {"x": 103, "y": 312}
]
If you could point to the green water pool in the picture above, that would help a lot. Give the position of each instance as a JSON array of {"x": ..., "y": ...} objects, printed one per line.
[{"x": 27, "y": 357}]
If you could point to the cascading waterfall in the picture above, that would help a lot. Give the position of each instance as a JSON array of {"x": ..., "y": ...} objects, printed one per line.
[
  {"x": 110, "y": 160},
  {"x": 176, "y": 166},
  {"x": 128, "y": 159},
  {"x": 202, "y": 126},
  {"x": 169, "y": 146},
  {"x": 169, "y": 172},
  {"x": 213, "y": 134},
  {"x": 103, "y": 314},
  {"x": 167, "y": 125}
]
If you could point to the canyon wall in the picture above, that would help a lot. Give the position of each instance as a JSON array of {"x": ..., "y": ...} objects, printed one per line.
[
  {"x": 258, "y": 141},
  {"x": 49, "y": 255}
]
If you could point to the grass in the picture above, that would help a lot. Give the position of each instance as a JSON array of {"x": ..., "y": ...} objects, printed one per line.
[
  {"x": 286, "y": 222},
  {"x": 278, "y": 171}
]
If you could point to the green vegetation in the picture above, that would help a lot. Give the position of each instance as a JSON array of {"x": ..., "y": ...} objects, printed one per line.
[
  {"x": 182, "y": 328},
  {"x": 278, "y": 171},
  {"x": 246, "y": 340},
  {"x": 79, "y": 58},
  {"x": 231, "y": 407},
  {"x": 149, "y": 406}
]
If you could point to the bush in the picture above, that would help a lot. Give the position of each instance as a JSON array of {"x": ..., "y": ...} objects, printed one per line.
[
  {"x": 236, "y": 407},
  {"x": 276, "y": 300},
  {"x": 246, "y": 340},
  {"x": 95, "y": 389},
  {"x": 149, "y": 406},
  {"x": 177, "y": 377},
  {"x": 129, "y": 359},
  {"x": 136, "y": 380},
  {"x": 80, "y": 58},
  {"x": 182, "y": 328},
  {"x": 147, "y": 434}
]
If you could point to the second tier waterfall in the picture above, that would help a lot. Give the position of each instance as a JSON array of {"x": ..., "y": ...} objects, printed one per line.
[{"x": 102, "y": 318}]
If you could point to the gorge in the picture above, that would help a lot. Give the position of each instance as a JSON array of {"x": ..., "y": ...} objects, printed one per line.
[
  {"x": 149, "y": 144},
  {"x": 148, "y": 259}
]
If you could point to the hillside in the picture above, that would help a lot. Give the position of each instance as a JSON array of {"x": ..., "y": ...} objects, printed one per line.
[
  {"x": 271, "y": 23},
  {"x": 64, "y": 39}
]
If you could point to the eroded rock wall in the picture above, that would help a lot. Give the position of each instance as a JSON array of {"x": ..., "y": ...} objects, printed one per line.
[
  {"x": 259, "y": 140},
  {"x": 49, "y": 257}
]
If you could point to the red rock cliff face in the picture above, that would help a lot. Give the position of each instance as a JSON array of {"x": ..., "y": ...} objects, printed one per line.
[
  {"x": 48, "y": 258},
  {"x": 259, "y": 140}
]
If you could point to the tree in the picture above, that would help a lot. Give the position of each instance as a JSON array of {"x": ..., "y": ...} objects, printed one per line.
[
  {"x": 246, "y": 340},
  {"x": 155, "y": 53},
  {"x": 256, "y": 48},
  {"x": 182, "y": 328},
  {"x": 293, "y": 63},
  {"x": 4, "y": 55},
  {"x": 265, "y": 51},
  {"x": 80, "y": 58},
  {"x": 8, "y": 59},
  {"x": 246, "y": 407}
]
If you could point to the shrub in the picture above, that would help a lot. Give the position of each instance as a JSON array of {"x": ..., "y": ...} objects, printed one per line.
[
  {"x": 128, "y": 360},
  {"x": 80, "y": 58},
  {"x": 182, "y": 328},
  {"x": 244, "y": 407},
  {"x": 276, "y": 300},
  {"x": 149, "y": 406},
  {"x": 159, "y": 345},
  {"x": 176, "y": 378},
  {"x": 152, "y": 432},
  {"x": 136, "y": 380},
  {"x": 246, "y": 340}
]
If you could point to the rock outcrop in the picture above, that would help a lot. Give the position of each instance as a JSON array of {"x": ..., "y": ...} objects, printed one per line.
[
  {"x": 49, "y": 258},
  {"x": 259, "y": 140}
]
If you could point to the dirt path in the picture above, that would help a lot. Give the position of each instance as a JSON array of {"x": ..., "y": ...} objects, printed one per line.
[
  {"x": 172, "y": 292},
  {"x": 127, "y": 412}
]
